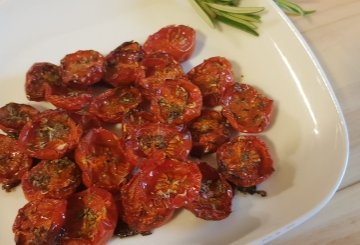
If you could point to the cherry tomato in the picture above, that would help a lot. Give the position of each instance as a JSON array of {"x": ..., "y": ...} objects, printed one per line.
[
  {"x": 246, "y": 109},
  {"x": 37, "y": 76},
  {"x": 177, "y": 40},
  {"x": 84, "y": 67},
  {"x": 14, "y": 116},
  {"x": 91, "y": 217},
  {"x": 176, "y": 102},
  {"x": 13, "y": 163},
  {"x": 40, "y": 222},
  {"x": 214, "y": 200},
  {"x": 101, "y": 158},
  {"x": 56, "y": 179},
  {"x": 245, "y": 161},
  {"x": 86, "y": 120},
  {"x": 50, "y": 135},
  {"x": 111, "y": 105},
  {"x": 157, "y": 141},
  {"x": 213, "y": 77},
  {"x": 123, "y": 65},
  {"x": 134, "y": 119},
  {"x": 208, "y": 132}
]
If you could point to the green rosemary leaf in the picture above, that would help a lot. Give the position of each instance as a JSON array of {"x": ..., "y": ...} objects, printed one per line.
[
  {"x": 236, "y": 10},
  {"x": 237, "y": 25}
]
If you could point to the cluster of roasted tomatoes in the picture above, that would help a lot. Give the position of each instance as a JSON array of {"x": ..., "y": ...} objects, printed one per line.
[{"x": 123, "y": 146}]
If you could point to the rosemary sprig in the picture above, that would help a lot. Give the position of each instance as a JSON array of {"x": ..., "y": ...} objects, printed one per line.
[{"x": 292, "y": 8}]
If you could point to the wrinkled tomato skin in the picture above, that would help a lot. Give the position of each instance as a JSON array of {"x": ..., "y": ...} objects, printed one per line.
[
  {"x": 101, "y": 158},
  {"x": 37, "y": 76},
  {"x": 111, "y": 105},
  {"x": 245, "y": 161},
  {"x": 82, "y": 68},
  {"x": 50, "y": 135},
  {"x": 55, "y": 179},
  {"x": 246, "y": 109},
  {"x": 13, "y": 117},
  {"x": 176, "y": 102},
  {"x": 157, "y": 141},
  {"x": 134, "y": 119},
  {"x": 213, "y": 77},
  {"x": 215, "y": 197},
  {"x": 13, "y": 163},
  {"x": 91, "y": 217},
  {"x": 176, "y": 40},
  {"x": 123, "y": 65},
  {"x": 208, "y": 132},
  {"x": 40, "y": 222}
]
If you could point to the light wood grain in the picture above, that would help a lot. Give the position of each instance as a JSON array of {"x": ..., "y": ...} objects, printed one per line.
[{"x": 333, "y": 32}]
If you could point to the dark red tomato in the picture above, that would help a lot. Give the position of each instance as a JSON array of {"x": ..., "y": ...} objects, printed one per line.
[
  {"x": 56, "y": 179},
  {"x": 244, "y": 161},
  {"x": 37, "y": 76},
  {"x": 157, "y": 141},
  {"x": 123, "y": 65},
  {"x": 134, "y": 119},
  {"x": 246, "y": 109},
  {"x": 86, "y": 120},
  {"x": 177, "y": 40},
  {"x": 91, "y": 218},
  {"x": 40, "y": 222},
  {"x": 50, "y": 135},
  {"x": 68, "y": 98},
  {"x": 14, "y": 116},
  {"x": 176, "y": 102},
  {"x": 212, "y": 76},
  {"x": 215, "y": 197},
  {"x": 111, "y": 105},
  {"x": 139, "y": 212},
  {"x": 84, "y": 67},
  {"x": 159, "y": 67},
  {"x": 101, "y": 158},
  {"x": 208, "y": 132},
  {"x": 13, "y": 163}
]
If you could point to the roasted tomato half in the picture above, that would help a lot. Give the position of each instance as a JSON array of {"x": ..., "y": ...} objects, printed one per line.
[
  {"x": 56, "y": 179},
  {"x": 40, "y": 222},
  {"x": 37, "y": 76},
  {"x": 101, "y": 158},
  {"x": 134, "y": 119},
  {"x": 50, "y": 135},
  {"x": 215, "y": 197},
  {"x": 245, "y": 161},
  {"x": 111, "y": 105},
  {"x": 176, "y": 102},
  {"x": 13, "y": 117},
  {"x": 84, "y": 67},
  {"x": 208, "y": 132},
  {"x": 123, "y": 65},
  {"x": 157, "y": 141},
  {"x": 246, "y": 109},
  {"x": 177, "y": 40},
  {"x": 13, "y": 163},
  {"x": 91, "y": 217},
  {"x": 213, "y": 77}
]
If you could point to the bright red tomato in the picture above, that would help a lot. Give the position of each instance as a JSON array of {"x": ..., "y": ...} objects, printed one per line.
[
  {"x": 177, "y": 40},
  {"x": 245, "y": 161}
]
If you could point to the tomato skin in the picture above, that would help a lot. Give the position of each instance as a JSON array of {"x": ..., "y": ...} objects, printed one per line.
[
  {"x": 40, "y": 222},
  {"x": 50, "y": 135},
  {"x": 245, "y": 161},
  {"x": 208, "y": 132},
  {"x": 246, "y": 109},
  {"x": 101, "y": 158},
  {"x": 215, "y": 197},
  {"x": 37, "y": 76},
  {"x": 91, "y": 217},
  {"x": 13, "y": 116},
  {"x": 55, "y": 179},
  {"x": 176, "y": 102},
  {"x": 82, "y": 68},
  {"x": 111, "y": 105},
  {"x": 176, "y": 40},
  {"x": 13, "y": 163}
]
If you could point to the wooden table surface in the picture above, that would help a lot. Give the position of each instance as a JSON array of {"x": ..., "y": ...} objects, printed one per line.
[{"x": 333, "y": 33}]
